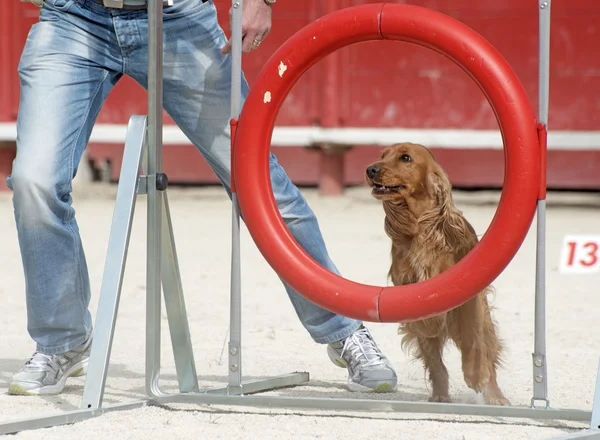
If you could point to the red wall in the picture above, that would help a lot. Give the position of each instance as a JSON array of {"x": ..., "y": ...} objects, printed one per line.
[{"x": 390, "y": 84}]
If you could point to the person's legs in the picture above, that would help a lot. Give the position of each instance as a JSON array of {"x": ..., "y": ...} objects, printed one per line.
[
  {"x": 197, "y": 97},
  {"x": 67, "y": 68}
]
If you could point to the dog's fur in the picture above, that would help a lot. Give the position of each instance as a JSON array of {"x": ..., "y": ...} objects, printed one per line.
[{"x": 429, "y": 235}]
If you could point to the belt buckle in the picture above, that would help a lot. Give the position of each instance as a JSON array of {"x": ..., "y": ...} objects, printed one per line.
[
  {"x": 118, "y": 4},
  {"x": 113, "y": 3}
]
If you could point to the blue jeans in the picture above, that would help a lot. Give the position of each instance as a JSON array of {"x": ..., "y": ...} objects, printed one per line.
[{"x": 72, "y": 59}]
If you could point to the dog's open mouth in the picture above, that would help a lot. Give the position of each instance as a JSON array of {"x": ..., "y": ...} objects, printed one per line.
[{"x": 382, "y": 189}]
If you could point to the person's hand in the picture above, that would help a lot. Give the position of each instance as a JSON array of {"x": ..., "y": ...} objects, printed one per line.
[{"x": 256, "y": 24}]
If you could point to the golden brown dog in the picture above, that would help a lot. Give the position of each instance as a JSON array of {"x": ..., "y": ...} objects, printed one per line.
[{"x": 429, "y": 235}]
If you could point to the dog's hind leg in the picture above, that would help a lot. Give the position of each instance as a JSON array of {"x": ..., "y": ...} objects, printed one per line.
[{"x": 491, "y": 392}]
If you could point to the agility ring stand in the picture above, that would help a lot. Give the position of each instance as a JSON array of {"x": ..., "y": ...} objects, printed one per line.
[{"x": 141, "y": 173}]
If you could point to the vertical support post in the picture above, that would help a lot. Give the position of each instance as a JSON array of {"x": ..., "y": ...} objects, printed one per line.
[
  {"x": 154, "y": 204},
  {"x": 595, "y": 421},
  {"x": 179, "y": 328},
  {"x": 235, "y": 319},
  {"x": 540, "y": 371},
  {"x": 236, "y": 59}
]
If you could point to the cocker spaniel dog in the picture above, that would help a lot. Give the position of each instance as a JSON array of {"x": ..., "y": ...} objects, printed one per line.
[{"x": 429, "y": 235}]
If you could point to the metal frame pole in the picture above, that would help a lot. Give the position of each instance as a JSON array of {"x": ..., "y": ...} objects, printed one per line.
[
  {"x": 236, "y": 58},
  {"x": 540, "y": 371},
  {"x": 154, "y": 202},
  {"x": 235, "y": 307}
]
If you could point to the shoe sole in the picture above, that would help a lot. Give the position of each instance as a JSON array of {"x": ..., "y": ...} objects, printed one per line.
[
  {"x": 352, "y": 386},
  {"x": 79, "y": 369},
  {"x": 381, "y": 388}
]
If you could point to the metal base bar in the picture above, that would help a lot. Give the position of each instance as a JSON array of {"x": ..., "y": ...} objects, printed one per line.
[
  {"x": 65, "y": 418},
  {"x": 312, "y": 403},
  {"x": 371, "y": 405},
  {"x": 269, "y": 384},
  {"x": 585, "y": 435},
  {"x": 250, "y": 387}
]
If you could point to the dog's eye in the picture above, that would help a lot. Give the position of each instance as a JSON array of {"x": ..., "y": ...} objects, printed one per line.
[{"x": 405, "y": 158}]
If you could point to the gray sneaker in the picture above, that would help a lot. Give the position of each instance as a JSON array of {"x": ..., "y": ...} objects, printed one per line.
[
  {"x": 47, "y": 374},
  {"x": 368, "y": 369}
]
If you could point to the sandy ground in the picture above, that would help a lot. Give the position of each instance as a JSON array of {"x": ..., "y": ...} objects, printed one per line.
[{"x": 274, "y": 342}]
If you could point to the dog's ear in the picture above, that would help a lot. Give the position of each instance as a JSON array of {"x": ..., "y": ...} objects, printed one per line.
[
  {"x": 440, "y": 190},
  {"x": 438, "y": 186}
]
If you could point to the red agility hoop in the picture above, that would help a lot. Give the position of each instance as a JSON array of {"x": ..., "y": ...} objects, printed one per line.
[{"x": 522, "y": 158}]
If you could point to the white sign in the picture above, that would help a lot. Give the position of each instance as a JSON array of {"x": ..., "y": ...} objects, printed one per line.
[{"x": 580, "y": 254}]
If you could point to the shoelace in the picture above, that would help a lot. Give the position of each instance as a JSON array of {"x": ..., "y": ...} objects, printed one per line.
[
  {"x": 40, "y": 361},
  {"x": 360, "y": 345}
]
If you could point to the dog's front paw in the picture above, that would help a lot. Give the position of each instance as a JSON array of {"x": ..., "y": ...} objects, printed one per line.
[
  {"x": 493, "y": 395},
  {"x": 497, "y": 400},
  {"x": 475, "y": 377},
  {"x": 440, "y": 399}
]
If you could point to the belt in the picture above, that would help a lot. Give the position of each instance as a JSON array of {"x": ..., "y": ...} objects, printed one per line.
[{"x": 131, "y": 5}]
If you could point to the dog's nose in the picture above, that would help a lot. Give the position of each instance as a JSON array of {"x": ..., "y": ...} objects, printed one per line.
[{"x": 372, "y": 171}]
